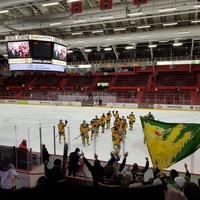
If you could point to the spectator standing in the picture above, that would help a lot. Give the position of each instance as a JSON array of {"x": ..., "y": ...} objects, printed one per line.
[
  {"x": 8, "y": 175},
  {"x": 136, "y": 169},
  {"x": 112, "y": 178},
  {"x": 191, "y": 191},
  {"x": 73, "y": 164},
  {"x": 55, "y": 174},
  {"x": 23, "y": 144},
  {"x": 97, "y": 170},
  {"x": 45, "y": 157}
]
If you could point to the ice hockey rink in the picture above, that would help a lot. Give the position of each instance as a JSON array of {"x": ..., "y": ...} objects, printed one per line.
[{"x": 38, "y": 123}]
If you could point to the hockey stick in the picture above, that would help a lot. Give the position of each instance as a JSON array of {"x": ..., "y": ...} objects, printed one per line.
[{"x": 76, "y": 137}]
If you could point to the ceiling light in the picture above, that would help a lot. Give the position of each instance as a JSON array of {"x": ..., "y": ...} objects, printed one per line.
[
  {"x": 144, "y": 26},
  {"x": 152, "y": 45},
  {"x": 88, "y": 50},
  {"x": 135, "y": 14},
  {"x": 177, "y": 44},
  {"x": 163, "y": 41},
  {"x": 167, "y": 10},
  {"x": 108, "y": 49},
  {"x": 79, "y": 21},
  {"x": 195, "y": 21},
  {"x": 183, "y": 32},
  {"x": 97, "y": 31},
  {"x": 110, "y": 38},
  {"x": 78, "y": 33},
  {"x": 170, "y": 24},
  {"x": 106, "y": 17},
  {"x": 125, "y": 37},
  {"x": 119, "y": 29},
  {"x": 143, "y": 36},
  {"x": 4, "y": 11},
  {"x": 78, "y": 41},
  {"x": 69, "y": 1},
  {"x": 129, "y": 47},
  {"x": 50, "y": 4},
  {"x": 55, "y": 24},
  {"x": 197, "y": 6}
]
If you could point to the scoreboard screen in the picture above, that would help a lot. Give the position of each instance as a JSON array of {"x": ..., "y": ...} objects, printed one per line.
[
  {"x": 41, "y": 49},
  {"x": 36, "y": 52}
]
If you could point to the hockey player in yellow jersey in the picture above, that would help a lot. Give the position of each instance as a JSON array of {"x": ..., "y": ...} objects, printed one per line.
[
  {"x": 114, "y": 133},
  {"x": 150, "y": 116},
  {"x": 98, "y": 123},
  {"x": 61, "y": 130},
  {"x": 84, "y": 132},
  {"x": 108, "y": 119},
  {"x": 93, "y": 129},
  {"x": 115, "y": 114},
  {"x": 103, "y": 122},
  {"x": 123, "y": 125},
  {"x": 118, "y": 137},
  {"x": 131, "y": 119},
  {"x": 117, "y": 122}
]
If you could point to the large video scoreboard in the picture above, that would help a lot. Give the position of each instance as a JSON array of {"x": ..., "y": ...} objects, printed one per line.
[{"x": 36, "y": 52}]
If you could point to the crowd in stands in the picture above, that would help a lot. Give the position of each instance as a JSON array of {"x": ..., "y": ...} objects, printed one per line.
[{"x": 113, "y": 177}]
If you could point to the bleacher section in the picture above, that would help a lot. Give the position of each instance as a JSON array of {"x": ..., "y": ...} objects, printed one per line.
[
  {"x": 166, "y": 97},
  {"x": 176, "y": 79},
  {"x": 163, "y": 87}
]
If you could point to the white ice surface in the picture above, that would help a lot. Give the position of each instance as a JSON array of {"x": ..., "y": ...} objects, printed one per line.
[{"x": 19, "y": 122}]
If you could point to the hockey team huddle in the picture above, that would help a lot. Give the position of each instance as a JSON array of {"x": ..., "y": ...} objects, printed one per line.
[{"x": 88, "y": 131}]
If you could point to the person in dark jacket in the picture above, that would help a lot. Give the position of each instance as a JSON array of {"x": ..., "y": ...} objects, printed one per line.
[
  {"x": 45, "y": 157},
  {"x": 73, "y": 164},
  {"x": 55, "y": 174},
  {"x": 97, "y": 170}
]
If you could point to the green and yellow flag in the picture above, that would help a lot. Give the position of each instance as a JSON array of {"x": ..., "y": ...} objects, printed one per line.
[{"x": 169, "y": 143}]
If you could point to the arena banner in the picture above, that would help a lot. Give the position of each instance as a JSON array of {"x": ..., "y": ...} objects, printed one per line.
[
  {"x": 76, "y": 7},
  {"x": 105, "y": 4},
  {"x": 22, "y": 101},
  {"x": 168, "y": 143}
]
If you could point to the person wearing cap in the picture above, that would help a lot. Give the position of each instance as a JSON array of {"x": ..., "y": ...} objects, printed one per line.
[
  {"x": 55, "y": 174},
  {"x": 179, "y": 182},
  {"x": 61, "y": 130}
]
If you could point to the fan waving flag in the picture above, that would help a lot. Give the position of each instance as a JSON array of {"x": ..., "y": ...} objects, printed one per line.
[{"x": 169, "y": 143}]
